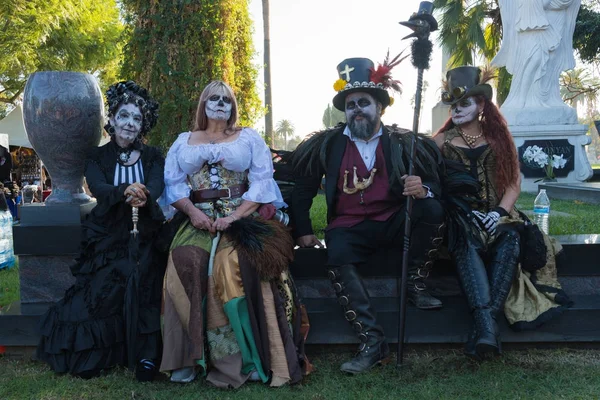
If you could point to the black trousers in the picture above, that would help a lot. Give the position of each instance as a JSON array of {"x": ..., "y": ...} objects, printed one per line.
[{"x": 355, "y": 245}]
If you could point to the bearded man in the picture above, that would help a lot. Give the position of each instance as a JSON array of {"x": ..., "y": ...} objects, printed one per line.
[{"x": 365, "y": 164}]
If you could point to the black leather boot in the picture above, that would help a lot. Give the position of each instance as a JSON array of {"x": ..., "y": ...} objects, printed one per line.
[
  {"x": 358, "y": 311},
  {"x": 502, "y": 270},
  {"x": 484, "y": 336},
  {"x": 424, "y": 251}
]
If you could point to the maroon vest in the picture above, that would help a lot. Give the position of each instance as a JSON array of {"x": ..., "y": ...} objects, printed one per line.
[{"x": 377, "y": 202}]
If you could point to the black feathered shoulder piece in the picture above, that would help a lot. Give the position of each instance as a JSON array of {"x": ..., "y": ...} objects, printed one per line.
[
  {"x": 428, "y": 158},
  {"x": 312, "y": 152}
]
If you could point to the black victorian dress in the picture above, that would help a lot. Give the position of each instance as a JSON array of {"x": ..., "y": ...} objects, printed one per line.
[{"x": 111, "y": 315}]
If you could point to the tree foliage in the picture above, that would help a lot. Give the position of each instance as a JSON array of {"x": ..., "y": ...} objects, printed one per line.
[
  {"x": 469, "y": 28},
  {"x": 332, "y": 116},
  {"x": 73, "y": 35},
  {"x": 586, "y": 38},
  {"x": 293, "y": 142},
  {"x": 177, "y": 47}
]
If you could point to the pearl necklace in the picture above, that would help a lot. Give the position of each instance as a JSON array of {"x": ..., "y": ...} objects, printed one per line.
[{"x": 470, "y": 139}]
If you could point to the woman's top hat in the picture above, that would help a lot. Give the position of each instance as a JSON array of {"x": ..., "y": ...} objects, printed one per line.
[{"x": 466, "y": 81}]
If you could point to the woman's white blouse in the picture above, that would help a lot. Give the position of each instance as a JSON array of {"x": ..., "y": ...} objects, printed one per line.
[{"x": 248, "y": 152}]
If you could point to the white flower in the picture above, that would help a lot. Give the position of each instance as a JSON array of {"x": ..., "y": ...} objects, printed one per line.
[
  {"x": 536, "y": 154},
  {"x": 558, "y": 162},
  {"x": 529, "y": 152},
  {"x": 541, "y": 159}
]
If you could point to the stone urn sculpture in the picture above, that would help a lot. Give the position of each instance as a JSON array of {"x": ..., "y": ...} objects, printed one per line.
[{"x": 63, "y": 114}]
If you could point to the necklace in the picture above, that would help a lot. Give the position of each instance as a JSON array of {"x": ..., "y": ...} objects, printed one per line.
[
  {"x": 219, "y": 139},
  {"x": 123, "y": 155},
  {"x": 470, "y": 139}
]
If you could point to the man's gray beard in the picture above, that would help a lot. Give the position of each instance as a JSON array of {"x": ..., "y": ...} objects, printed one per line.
[{"x": 362, "y": 130}]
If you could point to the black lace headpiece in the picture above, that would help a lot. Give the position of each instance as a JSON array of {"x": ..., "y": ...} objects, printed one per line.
[{"x": 126, "y": 92}]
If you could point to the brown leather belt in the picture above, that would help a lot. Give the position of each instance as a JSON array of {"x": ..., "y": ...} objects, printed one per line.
[{"x": 234, "y": 191}]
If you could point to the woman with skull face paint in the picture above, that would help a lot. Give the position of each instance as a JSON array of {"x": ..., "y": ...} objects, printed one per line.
[
  {"x": 227, "y": 282},
  {"x": 485, "y": 240},
  {"x": 112, "y": 314}
]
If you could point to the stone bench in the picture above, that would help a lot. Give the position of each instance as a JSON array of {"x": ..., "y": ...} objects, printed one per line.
[{"x": 580, "y": 278}]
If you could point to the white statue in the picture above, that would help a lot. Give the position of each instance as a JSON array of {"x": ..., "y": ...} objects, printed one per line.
[{"x": 537, "y": 45}]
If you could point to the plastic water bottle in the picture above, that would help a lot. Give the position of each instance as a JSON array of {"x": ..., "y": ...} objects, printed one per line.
[
  {"x": 541, "y": 211},
  {"x": 7, "y": 254}
]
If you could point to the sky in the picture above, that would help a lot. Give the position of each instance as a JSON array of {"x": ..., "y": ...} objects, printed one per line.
[{"x": 309, "y": 38}]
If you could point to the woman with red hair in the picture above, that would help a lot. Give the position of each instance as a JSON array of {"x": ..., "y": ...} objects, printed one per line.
[{"x": 485, "y": 231}]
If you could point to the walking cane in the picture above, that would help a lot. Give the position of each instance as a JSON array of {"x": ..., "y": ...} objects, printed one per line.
[
  {"x": 422, "y": 23},
  {"x": 134, "y": 218}
]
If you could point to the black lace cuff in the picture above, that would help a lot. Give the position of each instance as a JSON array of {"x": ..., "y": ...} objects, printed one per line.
[{"x": 501, "y": 211}]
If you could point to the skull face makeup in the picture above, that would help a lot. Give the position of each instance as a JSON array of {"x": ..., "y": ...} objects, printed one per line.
[
  {"x": 127, "y": 122},
  {"x": 218, "y": 106},
  {"x": 362, "y": 114},
  {"x": 465, "y": 111}
]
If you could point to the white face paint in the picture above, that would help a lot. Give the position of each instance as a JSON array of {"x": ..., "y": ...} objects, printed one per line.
[
  {"x": 362, "y": 115},
  {"x": 127, "y": 122},
  {"x": 218, "y": 106},
  {"x": 464, "y": 111}
]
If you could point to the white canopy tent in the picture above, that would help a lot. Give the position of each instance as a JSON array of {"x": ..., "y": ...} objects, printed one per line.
[{"x": 14, "y": 127}]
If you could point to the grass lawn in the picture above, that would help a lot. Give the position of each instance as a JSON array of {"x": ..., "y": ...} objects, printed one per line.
[
  {"x": 9, "y": 285},
  {"x": 585, "y": 219},
  {"x": 437, "y": 374}
]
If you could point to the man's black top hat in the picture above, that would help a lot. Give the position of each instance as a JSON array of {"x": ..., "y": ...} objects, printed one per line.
[
  {"x": 463, "y": 82},
  {"x": 357, "y": 72}
]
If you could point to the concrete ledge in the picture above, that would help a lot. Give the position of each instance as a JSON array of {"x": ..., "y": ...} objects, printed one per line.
[{"x": 586, "y": 192}]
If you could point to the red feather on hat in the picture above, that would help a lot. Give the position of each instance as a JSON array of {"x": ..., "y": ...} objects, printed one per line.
[{"x": 383, "y": 72}]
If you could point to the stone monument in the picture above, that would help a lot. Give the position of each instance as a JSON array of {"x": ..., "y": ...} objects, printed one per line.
[
  {"x": 537, "y": 45},
  {"x": 63, "y": 115}
]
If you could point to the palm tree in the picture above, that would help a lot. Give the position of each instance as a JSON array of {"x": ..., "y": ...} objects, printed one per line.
[
  {"x": 283, "y": 129},
  {"x": 578, "y": 87},
  {"x": 267, "y": 70}
]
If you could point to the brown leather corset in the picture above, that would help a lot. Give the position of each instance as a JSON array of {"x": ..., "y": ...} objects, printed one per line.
[{"x": 218, "y": 191}]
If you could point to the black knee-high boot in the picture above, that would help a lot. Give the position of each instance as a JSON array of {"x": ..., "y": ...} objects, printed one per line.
[
  {"x": 502, "y": 269},
  {"x": 474, "y": 279},
  {"x": 358, "y": 311}
]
